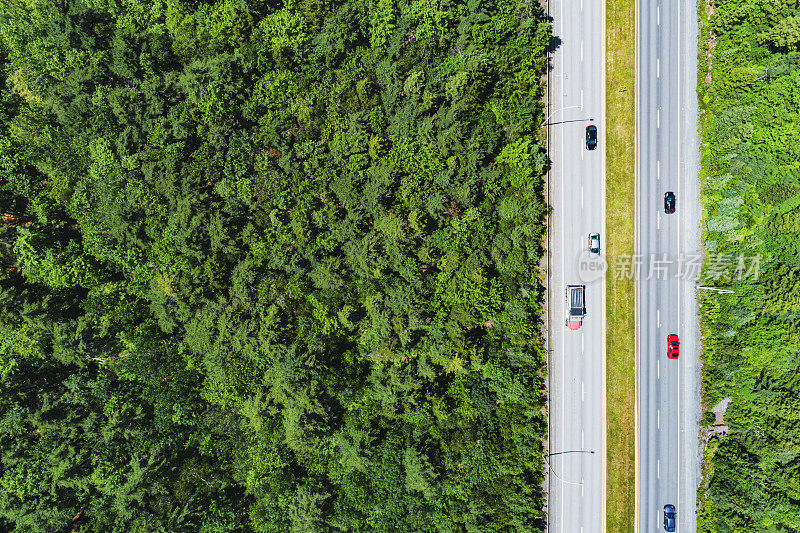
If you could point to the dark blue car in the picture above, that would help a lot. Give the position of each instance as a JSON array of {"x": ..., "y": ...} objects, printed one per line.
[
  {"x": 591, "y": 137},
  {"x": 669, "y": 518},
  {"x": 669, "y": 202}
]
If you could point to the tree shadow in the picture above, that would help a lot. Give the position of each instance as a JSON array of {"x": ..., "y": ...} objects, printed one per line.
[{"x": 555, "y": 43}]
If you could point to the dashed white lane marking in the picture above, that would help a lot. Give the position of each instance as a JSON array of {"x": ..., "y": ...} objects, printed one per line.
[
  {"x": 581, "y": 489},
  {"x": 658, "y": 14},
  {"x": 658, "y": 219},
  {"x": 658, "y": 469},
  {"x": 658, "y": 169},
  {"x": 583, "y": 343},
  {"x": 658, "y": 317},
  {"x": 658, "y": 118}
]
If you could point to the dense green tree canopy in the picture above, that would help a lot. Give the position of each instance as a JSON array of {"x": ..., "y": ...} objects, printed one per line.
[
  {"x": 271, "y": 265},
  {"x": 751, "y": 338}
]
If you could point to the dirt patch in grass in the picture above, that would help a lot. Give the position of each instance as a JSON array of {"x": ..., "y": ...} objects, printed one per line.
[{"x": 620, "y": 296}]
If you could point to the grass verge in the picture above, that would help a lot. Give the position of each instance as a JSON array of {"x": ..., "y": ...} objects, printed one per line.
[{"x": 620, "y": 300}]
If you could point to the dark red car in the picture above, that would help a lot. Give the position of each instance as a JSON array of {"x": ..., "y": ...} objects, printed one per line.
[{"x": 673, "y": 346}]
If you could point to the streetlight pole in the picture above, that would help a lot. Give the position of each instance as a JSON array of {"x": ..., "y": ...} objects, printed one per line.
[
  {"x": 556, "y": 111},
  {"x": 570, "y": 451},
  {"x": 557, "y": 476},
  {"x": 553, "y": 470},
  {"x": 721, "y": 291}
]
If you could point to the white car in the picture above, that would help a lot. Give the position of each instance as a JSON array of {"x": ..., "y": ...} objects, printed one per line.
[{"x": 594, "y": 243}]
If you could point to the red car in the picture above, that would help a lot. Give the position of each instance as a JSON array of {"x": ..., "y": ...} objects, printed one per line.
[{"x": 673, "y": 346}]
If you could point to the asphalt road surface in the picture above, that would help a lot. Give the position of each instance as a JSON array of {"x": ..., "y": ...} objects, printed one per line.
[
  {"x": 668, "y": 396},
  {"x": 576, "y": 484}
]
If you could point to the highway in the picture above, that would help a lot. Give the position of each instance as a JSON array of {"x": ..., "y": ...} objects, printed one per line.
[
  {"x": 576, "y": 192},
  {"x": 668, "y": 395}
]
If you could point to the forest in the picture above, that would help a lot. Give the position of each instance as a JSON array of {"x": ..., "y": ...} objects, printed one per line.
[
  {"x": 750, "y": 113},
  {"x": 274, "y": 265}
]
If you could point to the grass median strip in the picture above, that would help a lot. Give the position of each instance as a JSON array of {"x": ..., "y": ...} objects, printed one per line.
[{"x": 620, "y": 301}]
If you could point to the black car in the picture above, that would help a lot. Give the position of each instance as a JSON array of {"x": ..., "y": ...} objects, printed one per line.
[
  {"x": 669, "y": 202},
  {"x": 591, "y": 137},
  {"x": 669, "y": 518}
]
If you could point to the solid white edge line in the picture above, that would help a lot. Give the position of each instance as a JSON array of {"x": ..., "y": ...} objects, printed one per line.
[
  {"x": 604, "y": 467},
  {"x": 563, "y": 344},
  {"x": 680, "y": 175},
  {"x": 637, "y": 247},
  {"x": 548, "y": 478}
]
